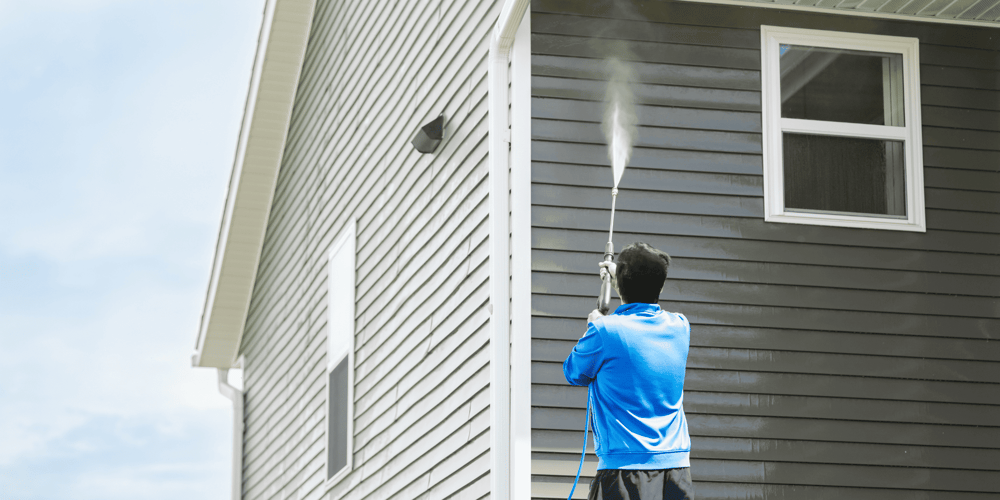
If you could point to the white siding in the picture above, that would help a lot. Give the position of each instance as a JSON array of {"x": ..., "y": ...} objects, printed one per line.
[{"x": 374, "y": 73}]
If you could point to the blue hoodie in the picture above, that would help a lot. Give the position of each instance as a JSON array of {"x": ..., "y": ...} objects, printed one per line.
[{"x": 634, "y": 360}]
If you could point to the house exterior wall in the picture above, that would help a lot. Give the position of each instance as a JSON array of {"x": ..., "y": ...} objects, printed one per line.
[
  {"x": 374, "y": 72},
  {"x": 825, "y": 362}
]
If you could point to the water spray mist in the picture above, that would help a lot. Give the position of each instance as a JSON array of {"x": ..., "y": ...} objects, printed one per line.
[{"x": 619, "y": 130}]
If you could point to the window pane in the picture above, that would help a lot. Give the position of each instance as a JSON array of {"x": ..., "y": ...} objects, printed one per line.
[
  {"x": 841, "y": 85},
  {"x": 336, "y": 446},
  {"x": 843, "y": 174}
]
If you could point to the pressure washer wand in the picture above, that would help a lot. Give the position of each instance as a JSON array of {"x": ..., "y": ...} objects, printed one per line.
[{"x": 604, "y": 299}]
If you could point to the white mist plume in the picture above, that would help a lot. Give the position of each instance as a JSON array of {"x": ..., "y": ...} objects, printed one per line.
[{"x": 619, "y": 115}]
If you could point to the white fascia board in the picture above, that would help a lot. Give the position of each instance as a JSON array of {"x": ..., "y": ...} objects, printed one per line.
[
  {"x": 846, "y": 12},
  {"x": 275, "y": 77}
]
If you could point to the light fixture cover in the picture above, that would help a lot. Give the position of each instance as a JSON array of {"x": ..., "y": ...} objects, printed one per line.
[{"x": 429, "y": 136}]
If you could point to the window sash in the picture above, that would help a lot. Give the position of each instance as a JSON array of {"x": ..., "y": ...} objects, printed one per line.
[
  {"x": 838, "y": 129},
  {"x": 801, "y": 70}
]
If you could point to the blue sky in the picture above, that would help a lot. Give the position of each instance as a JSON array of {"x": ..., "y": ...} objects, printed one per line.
[{"x": 118, "y": 125}]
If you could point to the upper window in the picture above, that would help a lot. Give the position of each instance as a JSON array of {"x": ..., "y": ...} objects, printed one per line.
[
  {"x": 341, "y": 276},
  {"x": 841, "y": 123}
]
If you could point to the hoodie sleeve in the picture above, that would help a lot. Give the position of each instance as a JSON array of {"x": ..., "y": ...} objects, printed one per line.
[{"x": 586, "y": 359}]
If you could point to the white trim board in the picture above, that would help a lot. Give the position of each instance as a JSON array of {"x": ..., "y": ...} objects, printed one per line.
[
  {"x": 823, "y": 10},
  {"x": 511, "y": 14},
  {"x": 520, "y": 215}
]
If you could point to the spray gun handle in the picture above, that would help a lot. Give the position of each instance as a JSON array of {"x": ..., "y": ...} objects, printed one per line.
[{"x": 604, "y": 299}]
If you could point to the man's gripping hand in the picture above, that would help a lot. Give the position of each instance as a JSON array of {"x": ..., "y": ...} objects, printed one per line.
[
  {"x": 594, "y": 315},
  {"x": 608, "y": 267}
]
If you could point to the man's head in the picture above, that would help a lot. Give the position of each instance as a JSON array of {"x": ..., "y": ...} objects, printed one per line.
[{"x": 641, "y": 271}]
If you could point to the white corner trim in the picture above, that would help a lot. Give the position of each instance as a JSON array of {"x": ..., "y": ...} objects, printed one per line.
[
  {"x": 274, "y": 80},
  {"x": 859, "y": 13},
  {"x": 520, "y": 236},
  {"x": 507, "y": 25},
  {"x": 774, "y": 125}
]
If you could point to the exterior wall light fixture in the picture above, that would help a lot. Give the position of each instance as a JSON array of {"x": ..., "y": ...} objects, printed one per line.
[{"x": 429, "y": 136}]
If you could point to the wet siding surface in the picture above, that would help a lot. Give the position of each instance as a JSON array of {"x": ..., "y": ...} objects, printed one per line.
[
  {"x": 825, "y": 362},
  {"x": 374, "y": 72}
]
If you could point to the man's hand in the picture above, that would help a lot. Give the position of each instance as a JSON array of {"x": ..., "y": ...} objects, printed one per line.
[
  {"x": 594, "y": 315},
  {"x": 608, "y": 267}
]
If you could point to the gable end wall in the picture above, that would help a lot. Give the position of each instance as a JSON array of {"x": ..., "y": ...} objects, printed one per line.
[{"x": 374, "y": 72}]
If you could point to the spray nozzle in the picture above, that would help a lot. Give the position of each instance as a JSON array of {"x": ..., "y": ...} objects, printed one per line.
[{"x": 604, "y": 299}]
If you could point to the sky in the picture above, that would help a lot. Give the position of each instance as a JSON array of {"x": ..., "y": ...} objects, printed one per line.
[{"x": 118, "y": 127}]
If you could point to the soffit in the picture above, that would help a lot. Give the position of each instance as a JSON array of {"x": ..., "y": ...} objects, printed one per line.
[{"x": 969, "y": 12}]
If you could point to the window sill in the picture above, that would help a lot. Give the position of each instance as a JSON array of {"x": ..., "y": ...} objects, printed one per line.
[
  {"x": 849, "y": 221},
  {"x": 341, "y": 474}
]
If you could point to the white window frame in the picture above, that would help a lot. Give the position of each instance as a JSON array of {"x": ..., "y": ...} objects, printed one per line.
[
  {"x": 341, "y": 296},
  {"x": 772, "y": 37}
]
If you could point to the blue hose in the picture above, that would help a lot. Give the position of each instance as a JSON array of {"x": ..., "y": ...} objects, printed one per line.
[{"x": 583, "y": 454}]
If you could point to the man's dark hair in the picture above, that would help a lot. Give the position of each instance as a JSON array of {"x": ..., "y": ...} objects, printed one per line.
[{"x": 641, "y": 272}]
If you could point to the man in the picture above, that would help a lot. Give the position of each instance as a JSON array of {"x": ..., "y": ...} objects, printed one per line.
[{"x": 633, "y": 360}]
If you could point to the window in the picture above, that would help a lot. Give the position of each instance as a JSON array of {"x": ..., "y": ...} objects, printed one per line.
[
  {"x": 841, "y": 123},
  {"x": 340, "y": 355}
]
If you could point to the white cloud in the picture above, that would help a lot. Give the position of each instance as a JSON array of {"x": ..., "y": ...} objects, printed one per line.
[{"x": 122, "y": 360}]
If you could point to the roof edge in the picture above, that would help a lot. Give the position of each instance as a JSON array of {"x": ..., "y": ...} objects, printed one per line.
[{"x": 274, "y": 79}]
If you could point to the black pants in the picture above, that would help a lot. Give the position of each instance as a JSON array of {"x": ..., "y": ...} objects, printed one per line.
[{"x": 662, "y": 484}]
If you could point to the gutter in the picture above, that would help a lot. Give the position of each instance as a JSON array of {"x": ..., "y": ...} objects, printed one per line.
[
  {"x": 499, "y": 181},
  {"x": 236, "y": 396}
]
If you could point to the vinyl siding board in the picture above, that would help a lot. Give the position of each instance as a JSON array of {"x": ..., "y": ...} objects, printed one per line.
[
  {"x": 374, "y": 72},
  {"x": 964, "y": 138},
  {"x": 792, "y": 252},
  {"x": 825, "y": 362},
  {"x": 573, "y": 265},
  {"x": 960, "y": 98},
  {"x": 968, "y": 159},
  {"x": 815, "y": 341},
  {"x": 984, "y": 79},
  {"x": 662, "y": 74},
  {"x": 968, "y": 119},
  {"x": 658, "y": 95},
  {"x": 583, "y": 220},
  {"x": 704, "y": 402}
]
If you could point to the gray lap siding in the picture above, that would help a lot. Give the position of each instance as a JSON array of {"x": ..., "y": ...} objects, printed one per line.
[{"x": 825, "y": 362}]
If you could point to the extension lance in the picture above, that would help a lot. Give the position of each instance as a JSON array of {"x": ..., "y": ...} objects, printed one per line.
[{"x": 604, "y": 299}]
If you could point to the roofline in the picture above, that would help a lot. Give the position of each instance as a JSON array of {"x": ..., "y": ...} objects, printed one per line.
[
  {"x": 273, "y": 81},
  {"x": 861, "y": 13}
]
